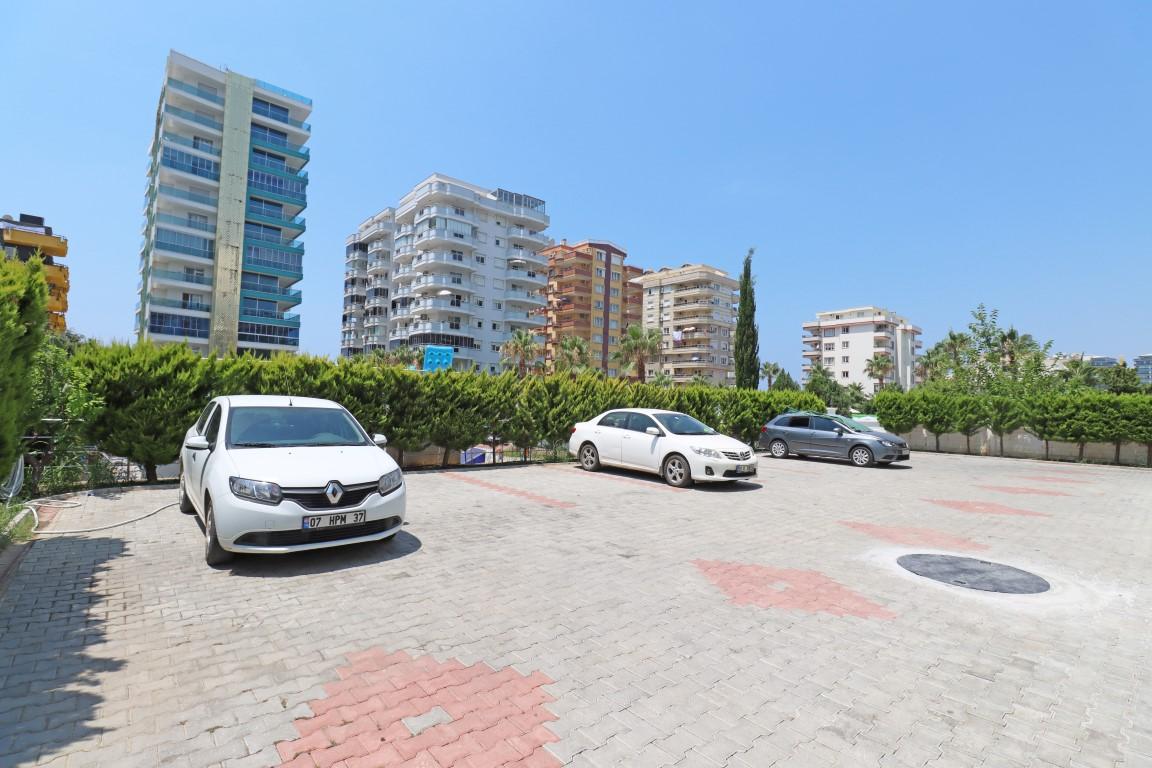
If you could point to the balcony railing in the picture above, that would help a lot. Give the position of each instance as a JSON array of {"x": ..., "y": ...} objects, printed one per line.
[
  {"x": 280, "y": 145},
  {"x": 186, "y": 277},
  {"x": 184, "y": 194},
  {"x": 265, "y": 112},
  {"x": 276, "y": 293},
  {"x": 191, "y": 168},
  {"x": 193, "y": 90},
  {"x": 199, "y": 306},
  {"x": 182, "y": 221},
  {"x": 275, "y": 167},
  {"x": 193, "y": 117},
  {"x": 201, "y": 147},
  {"x": 264, "y": 216},
  {"x": 265, "y": 237},
  {"x": 264, "y": 315}
]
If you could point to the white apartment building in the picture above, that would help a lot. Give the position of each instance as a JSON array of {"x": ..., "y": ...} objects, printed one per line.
[
  {"x": 368, "y": 285},
  {"x": 226, "y": 186},
  {"x": 465, "y": 272},
  {"x": 844, "y": 340},
  {"x": 694, "y": 308}
]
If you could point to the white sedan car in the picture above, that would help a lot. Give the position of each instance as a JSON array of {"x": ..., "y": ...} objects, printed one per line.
[
  {"x": 674, "y": 445},
  {"x": 272, "y": 474}
]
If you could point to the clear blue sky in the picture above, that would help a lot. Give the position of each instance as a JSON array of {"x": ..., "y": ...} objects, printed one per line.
[{"x": 920, "y": 156}]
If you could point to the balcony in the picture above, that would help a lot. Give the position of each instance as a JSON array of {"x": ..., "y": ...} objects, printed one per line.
[
  {"x": 530, "y": 237},
  {"x": 179, "y": 277},
  {"x": 525, "y": 297},
  {"x": 298, "y": 151},
  {"x": 379, "y": 266},
  {"x": 272, "y": 293},
  {"x": 172, "y": 138},
  {"x": 428, "y": 258},
  {"x": 287, "y": 319},
  {"x": 813, "y": 353},
  {"x": 263, "y": 237},
  {"x": 266, "y": 216},
  {"x": 279, "y": 168},
  {"x": 430, "y": 327},
  {"x": 441, "y": 305},
  {"x": 530, "y": 259},
  {"x": 269, "y": 114},
  {"x": 192, "y": 117},
  {"x": 272, "y": 267},
  {"x": 448, "y": 282},
  {"x": 524, "y": 318},
  {"x": 183, "y": 221},
  {"x": 812, "y": 339},
  {"x": 194, "y": 306},
  {"x": 277, "y": 192},
  {"x": 570, "y": 273},
  {"x": 432, "y": 236},
  {"x": 192, "y": 90},
  {"x": 184, "y": 194}
]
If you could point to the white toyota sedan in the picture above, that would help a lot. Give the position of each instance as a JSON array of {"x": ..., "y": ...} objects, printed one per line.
[
  {"x": 273, "y": 474},
  {"x": 673, "y": 445}
]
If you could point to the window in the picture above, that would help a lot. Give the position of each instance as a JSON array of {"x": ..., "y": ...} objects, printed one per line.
[
  {"x": 458, "y": 211},
  {"x": 269, "y": 160},
  {"x": 599, "y": 255},
  {"x": 198, "y": 220},
  {"x": 500, "y": 305},
  {"x": 479, "y": 259},
  {"x": 480, "y": 324},
  {"x": 829, "y": 332},
  {"x": 611, "y": 339},
  {"x": 599, "y": 271},
  {"x": 212, "y": 430},
  {"x": 189, "y": 163},
  {"x": 844, "y": 359},
  {"x": 269, "y": 135},
  {"x": 823, "y": 425},
  {"x": 479, "y": 302},
  {"x": 199, "y": 142},
  {"x": 598, "y": 322},
  {"x": 845, "y": 329},
  {"x": 598, "y": 304},
  {"x": 495, "y": 347},
  {"x": 614, "y": 308},
  {"x": 617, "y": 419},
  {"x": 829, "y": 347},
  {"x": 843, "y": 374},
  {"x": 267, "y": 109},
  {"x": 497, "y": 242},
  {"x": 598, "y": 338},
  {"x": 615, "y": 291},
  {"x": 638, "y": 422},
  {"x": 613, "y": 324},
  {"x": 829, "y": 361},
  {"x": 797, "y": 422},
  {"x": 843, "y": 345},
  {"x": 495, "y": 326},
  {"x": 598, "y": 288},
  {"x": 615, "y": 277},
  {"x": 204, "y": 417}
]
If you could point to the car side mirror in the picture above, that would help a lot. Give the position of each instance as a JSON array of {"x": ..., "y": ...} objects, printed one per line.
[
  {"x": 840, "y": 431},
  {"x": 197, "y": 443},
  {"x": 654, "y": 431},
  {"x": 380, "y": 440}
]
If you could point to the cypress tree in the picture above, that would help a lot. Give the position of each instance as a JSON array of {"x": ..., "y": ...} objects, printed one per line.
[{"x": 746, "y": 345}]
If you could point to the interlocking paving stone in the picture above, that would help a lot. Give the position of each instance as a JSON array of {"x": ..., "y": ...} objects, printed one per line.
[{"x": 121, "y": 648}]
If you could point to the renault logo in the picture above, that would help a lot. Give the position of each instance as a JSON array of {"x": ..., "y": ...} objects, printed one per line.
[{"x": 334, "y": 491}]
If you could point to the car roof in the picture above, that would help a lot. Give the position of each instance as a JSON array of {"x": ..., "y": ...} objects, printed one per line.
[
  {"x": 278, "y": 401},
  {"x": 649, "y": 411}
]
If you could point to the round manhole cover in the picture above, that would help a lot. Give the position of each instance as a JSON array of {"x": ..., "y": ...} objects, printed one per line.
[{"x": 970, "y": 573}]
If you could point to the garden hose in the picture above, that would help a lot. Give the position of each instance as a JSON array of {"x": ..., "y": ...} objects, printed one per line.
[{"x": 32, "y": 505}]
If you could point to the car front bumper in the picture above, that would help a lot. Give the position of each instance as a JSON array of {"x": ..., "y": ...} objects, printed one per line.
[
  {"x": 709, "y": 470},
  {"x": 248, "y": 527}
]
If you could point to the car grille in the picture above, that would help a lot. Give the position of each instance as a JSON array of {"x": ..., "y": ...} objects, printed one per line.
[
  {"x": 314, "y": 498},
  {"x": 292, "y": 538},
  {"x": 737, "y": 455}
]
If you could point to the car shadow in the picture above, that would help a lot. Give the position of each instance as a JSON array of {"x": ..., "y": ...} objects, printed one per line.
[
  {"x": 53, "y": 608},
  {"x": 737, "y": 486},
  {"x": 327, "y": 560},
  {"x": 734, "y": 486},
  {"x": 844, "y": 462}
]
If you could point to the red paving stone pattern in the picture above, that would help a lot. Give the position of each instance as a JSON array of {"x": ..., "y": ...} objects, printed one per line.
[
  {"x": 914, "y": 537},
  {"x": 1021, "y": 490},
  {"x": 544, "y": 500},
  {"x": 985, "y": 507},
  {"x": 485, "y": 717},
  {"x": 1051, "y": 479},
  {"x": 790, "y": 589}
]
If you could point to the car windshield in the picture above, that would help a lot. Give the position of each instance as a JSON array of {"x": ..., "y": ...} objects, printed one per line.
[
  {"x": 285, "y": 426},
  {"x": 853, "y": 424},
  {"x": 683, "y": 424}
]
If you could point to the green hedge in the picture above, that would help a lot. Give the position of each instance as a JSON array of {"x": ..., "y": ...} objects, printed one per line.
[
  {"x": 152, "y": 394},
  {"x": 1078, "y": 417}
]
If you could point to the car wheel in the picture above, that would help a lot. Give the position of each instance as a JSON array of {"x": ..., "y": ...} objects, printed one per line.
[
  {"x": 185, "y": 502},
  {"x": 676, "y": 471},
  {"x": 861, "y": 456},
  {"x": 589, "y": 457},
  {"x": 214, "y": 554},
  {"x": 778, "y": 448}
]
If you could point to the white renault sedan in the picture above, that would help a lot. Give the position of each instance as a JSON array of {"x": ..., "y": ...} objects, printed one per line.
[
  {"x": 674, "y": 445},
  {"x": 272, "y": 474}
]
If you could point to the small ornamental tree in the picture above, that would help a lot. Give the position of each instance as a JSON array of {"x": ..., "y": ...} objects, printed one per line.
[
  {"x": 937, "y": 412},
  {"x": 896, "y": 411},
  {"x": 22, "y": 318},
  {"x": 746, "y": 338},
  {"x": 452, "y": 418},
  {"x": 1138, "y": 418},
  {"x": 1005, "y": 414},
  {"x": 969, "y": 416},
  {"x": 1043, "y": 418}
]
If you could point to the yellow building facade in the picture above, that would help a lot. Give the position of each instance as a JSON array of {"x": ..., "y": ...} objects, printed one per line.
[{"x": 25, "y": 237}]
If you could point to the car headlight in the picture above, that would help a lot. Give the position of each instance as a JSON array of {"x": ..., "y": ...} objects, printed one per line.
[
  {"x": 390, "y": 482},
  {"x": 888, "y": 443},
  {"x": 711, "y": 453},
  {"x": 256, "y": 490}
]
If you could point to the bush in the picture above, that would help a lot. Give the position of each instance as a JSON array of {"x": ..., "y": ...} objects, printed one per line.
[
  {"x": 22, "y": 317},
  {"x": 152, "y": 394}
]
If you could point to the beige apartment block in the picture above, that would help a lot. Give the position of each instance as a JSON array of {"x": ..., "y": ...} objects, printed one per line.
[
  {"x": 844, "y": 340},
  {"x": 694, "y": 308}
]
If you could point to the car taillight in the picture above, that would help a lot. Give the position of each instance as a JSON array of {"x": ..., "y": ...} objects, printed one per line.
[
  {"x": 764, "y": 428},
  {"x": 573, "y": 430}
]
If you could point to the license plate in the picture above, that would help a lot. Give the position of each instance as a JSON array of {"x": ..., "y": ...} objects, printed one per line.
[
  {"x": 746, "y": 469},
  {"x": 334, "y": 520}
]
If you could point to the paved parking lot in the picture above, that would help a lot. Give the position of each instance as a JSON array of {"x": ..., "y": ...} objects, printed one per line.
[{"x": 542, "y": 616}]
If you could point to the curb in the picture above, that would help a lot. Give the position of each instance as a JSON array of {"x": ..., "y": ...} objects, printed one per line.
[{"x": 11, "y": 555}]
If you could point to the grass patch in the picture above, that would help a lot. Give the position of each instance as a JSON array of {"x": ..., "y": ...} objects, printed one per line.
[{"x": 21, "y": 532}]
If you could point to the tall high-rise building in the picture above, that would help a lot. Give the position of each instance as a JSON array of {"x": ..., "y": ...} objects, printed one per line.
[
  {"x": 367, "y": 285},
  {"x": 466, "y": 272},
  {"x": 1143, "y": 366},
  {"x": 844, "y": 340},
  {"x": 694, "y": 308},
  {"x": 226, "y": 188},
  {"x": 590, "y": 296},
  {"x": 23, "y": 238}
]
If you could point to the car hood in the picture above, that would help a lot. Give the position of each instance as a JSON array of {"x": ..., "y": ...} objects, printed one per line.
[
  {"x": 718, "y": 442},
  {"x": 311, "y": 467},
  {"x": 879, "y": 435}
]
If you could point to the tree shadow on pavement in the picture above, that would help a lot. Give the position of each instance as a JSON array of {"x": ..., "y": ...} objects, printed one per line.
[
  {"x": 51, "y": 612},
  {"x": 325, "y": 560}
]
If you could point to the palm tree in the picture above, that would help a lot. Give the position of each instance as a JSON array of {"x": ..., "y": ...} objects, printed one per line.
[
  {"x": 405, "y": 356},
  {"x": 1079, "y": 373},
  {"x": 769, "y": 371},
  {"x": 572, "y": 355},
  {"x": 700, "y": 380},
  {"x": 878, "y": 368},
  {"x": 521, "y": 350},
  {"x": 637, "y": 346},
  {"x": 661, "y": 379},
  {"x": 954, "y": 346}
]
